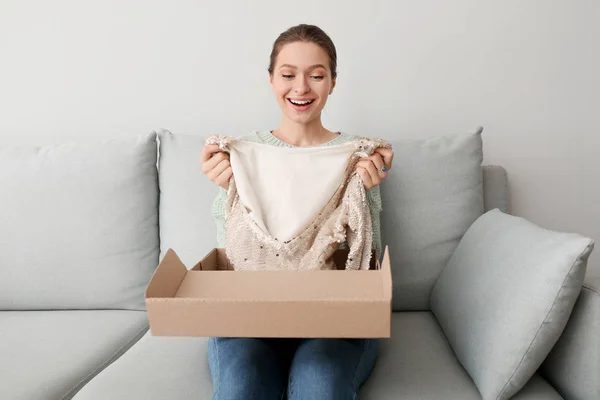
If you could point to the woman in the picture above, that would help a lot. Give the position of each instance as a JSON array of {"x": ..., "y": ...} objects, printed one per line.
[{"x": 302, "y": 73}]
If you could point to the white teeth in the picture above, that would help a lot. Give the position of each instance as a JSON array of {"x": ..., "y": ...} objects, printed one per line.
[{"x": 300, "y": 103}]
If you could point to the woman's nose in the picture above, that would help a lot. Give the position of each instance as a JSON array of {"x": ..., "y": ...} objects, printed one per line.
[{"x": 301, "y": 86}]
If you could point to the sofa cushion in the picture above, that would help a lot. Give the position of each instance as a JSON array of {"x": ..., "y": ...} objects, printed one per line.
[
  {"x": 51, "y": 354},
  {"x": 573, "y": 365},
  {"x": 78, "y": 224},
  {"x": 505, "y": 296},
  {"x": 416, "y": 363},
  {"x": 155, "y": 368},
  {"x": 186, "y": 198},
  {"x": 432, "y": 195},
  {"x": 495, "y": 188}
]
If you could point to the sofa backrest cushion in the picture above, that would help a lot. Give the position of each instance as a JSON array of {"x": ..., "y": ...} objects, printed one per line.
[
  {"x": 186, "y": 199},
  {"x": 432, "y": 195},
  {"x": 78, "y": 224}
]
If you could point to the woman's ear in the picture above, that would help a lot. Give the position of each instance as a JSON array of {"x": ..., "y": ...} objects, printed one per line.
[{"x": 332, "y": 85}]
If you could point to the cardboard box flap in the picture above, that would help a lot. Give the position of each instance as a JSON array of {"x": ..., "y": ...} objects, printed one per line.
[
  {"x": 216, "y": 260},
  {"x": 386, "y": 270},
  {"x": 167, "y": 277}
]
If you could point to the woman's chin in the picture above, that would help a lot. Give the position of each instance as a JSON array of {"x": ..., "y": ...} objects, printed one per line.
[{"x": 301, "y": 118}]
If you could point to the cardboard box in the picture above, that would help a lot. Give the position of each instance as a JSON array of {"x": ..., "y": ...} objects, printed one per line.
[{"x": 213, "y": 300}]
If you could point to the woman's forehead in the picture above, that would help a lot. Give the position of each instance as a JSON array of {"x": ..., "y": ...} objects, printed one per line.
[{"x": 302, "y": 56}]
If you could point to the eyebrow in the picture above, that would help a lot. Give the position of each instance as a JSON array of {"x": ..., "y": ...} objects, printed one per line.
[{"x": 311, "y": 67}]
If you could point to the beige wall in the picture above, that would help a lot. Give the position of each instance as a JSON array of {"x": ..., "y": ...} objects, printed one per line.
[{"x": 525, "y": 70}]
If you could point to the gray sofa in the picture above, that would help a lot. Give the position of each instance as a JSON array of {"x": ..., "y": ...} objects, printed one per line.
[{"x": 83, "y": 226}]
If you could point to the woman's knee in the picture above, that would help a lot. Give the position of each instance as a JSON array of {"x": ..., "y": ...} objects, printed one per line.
[
  {"x": 243, "y": 369},
  {"x": 323, "y": 381},
  {"x": 243, "y": 384},
  {"x": 330, "y": 369}
]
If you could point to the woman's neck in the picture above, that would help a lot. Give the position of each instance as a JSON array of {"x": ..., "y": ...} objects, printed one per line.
[{"x": 303, "y": 135}]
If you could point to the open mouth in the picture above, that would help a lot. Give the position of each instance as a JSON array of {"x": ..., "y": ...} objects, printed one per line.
[{"x": 300, "y": 105}]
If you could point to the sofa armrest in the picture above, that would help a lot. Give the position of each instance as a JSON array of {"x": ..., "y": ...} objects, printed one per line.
[{"x": 573, "y": 365}]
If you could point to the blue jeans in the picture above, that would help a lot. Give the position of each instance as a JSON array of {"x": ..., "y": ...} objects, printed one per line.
[{"x": 304, "y": 369}]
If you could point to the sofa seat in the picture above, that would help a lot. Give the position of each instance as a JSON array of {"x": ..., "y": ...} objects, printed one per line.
[
  {"x": 155, "y": 368},
  {"x": 416, "y": 363},
  {"x": 50, "y": 355},
  {"x": 419, "y": 364}
]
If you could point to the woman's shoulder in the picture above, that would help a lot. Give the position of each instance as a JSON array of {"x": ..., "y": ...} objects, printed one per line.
[
  {"x": 253, "y": 136},
  {"x": 343, "y": 137},
  {"x": 265, "y": 137}
]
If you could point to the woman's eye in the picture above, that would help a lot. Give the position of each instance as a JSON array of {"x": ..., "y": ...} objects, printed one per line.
[
  {"x": 318, "y": 77},
  {"x": 287, "y": 76}
]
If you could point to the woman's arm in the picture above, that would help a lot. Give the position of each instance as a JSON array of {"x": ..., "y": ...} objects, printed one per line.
[
  {"x": 375, "y": 205},
  {"x": 218, "y": 213}
]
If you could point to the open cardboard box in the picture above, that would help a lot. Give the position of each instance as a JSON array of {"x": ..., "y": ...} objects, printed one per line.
[{"x": 213, "y": 300}]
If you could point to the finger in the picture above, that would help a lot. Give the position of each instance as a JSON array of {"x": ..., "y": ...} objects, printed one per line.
[
  {"x": 364, "y": 163},
  {"x": 212, "y": 162},
  {"x": 374, "y": 173},
  {"x": 388, "y": 156},
  {"x": 365, "y": 176},
  {"x": 208, "y": 151},
  {"x": 378, "y": 161},
  {"x": 218, "y": 170},
  {"x": 223, "y": 179}
]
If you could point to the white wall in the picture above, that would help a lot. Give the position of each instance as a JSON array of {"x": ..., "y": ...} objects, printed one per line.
[{"x": 528, "y": 71}]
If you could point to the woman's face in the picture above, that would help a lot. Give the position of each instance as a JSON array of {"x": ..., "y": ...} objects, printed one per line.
[{"x": 302, "y": 81}]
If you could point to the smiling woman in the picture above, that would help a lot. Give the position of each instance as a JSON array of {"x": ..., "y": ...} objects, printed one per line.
[
  {"x": 302, "y": 88},
  {"x": 302, "y": 74}
]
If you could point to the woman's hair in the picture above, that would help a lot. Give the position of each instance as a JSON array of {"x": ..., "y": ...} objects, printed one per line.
[{"x": 307, "y": 34}]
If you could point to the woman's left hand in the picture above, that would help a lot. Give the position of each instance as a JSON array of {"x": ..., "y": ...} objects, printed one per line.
[{"x": 374, "y": 170}]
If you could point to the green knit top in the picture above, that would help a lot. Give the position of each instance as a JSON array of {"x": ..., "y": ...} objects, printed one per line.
[{"x": 373, "y": 195}]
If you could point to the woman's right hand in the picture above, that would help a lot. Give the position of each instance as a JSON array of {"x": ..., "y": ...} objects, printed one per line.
[{"x": 215, "y": 165}]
